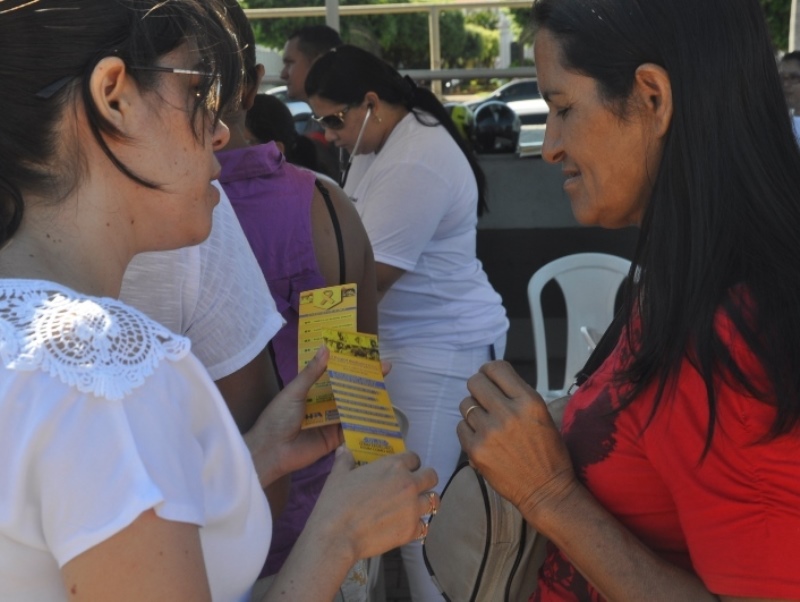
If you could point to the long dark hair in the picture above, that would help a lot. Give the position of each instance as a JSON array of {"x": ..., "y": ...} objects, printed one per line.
[
  {"x": 347, "y": 73},
  {"x": 48, "y": 50},
  {"x": 720, "y": 232}
]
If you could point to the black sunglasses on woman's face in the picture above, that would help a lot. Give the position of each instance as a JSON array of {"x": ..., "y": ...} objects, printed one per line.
[{"x": 334, "y": 121}]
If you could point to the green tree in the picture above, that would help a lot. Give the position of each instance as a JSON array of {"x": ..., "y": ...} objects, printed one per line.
[
  {"x": 484, "y": 46},
  {"x": 401, "y": 39},
  {"x": 777, "y": 13},
  {"x": 521, "y": 18},
  {"x": 484, "y": 18}
]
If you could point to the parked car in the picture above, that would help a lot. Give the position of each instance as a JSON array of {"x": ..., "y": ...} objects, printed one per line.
[
  {"x": 517, "y": 89},
  {"x": 531, "y": 112},
  {"x": 523, "y": 96}
]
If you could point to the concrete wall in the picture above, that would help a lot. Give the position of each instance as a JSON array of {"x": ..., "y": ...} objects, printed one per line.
[
  {"x": 530, "y": 223},
  {"x": 524, "y": 193}
]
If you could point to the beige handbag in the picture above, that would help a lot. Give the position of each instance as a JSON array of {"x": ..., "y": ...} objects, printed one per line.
[{"x": 478, "y": 547}]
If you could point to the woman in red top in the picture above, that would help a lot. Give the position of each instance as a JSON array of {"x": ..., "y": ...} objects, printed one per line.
[{"x": 677, "y": 472}]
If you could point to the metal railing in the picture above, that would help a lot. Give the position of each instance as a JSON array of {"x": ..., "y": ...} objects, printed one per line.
[{"x": 332, "y": 10}]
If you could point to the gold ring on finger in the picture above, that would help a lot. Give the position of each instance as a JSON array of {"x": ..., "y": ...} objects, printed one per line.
[
  {"x": 469, "y": 409},
  {"x": 423, "y": 529},
  {"x": 432, "y": 508}
]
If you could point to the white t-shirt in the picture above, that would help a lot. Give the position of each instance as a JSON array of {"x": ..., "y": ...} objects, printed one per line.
[
  {"x": 796, "y": 122},
  {"x": 105, "y": 414},
  {"x": 214, "y": 293},
  {"x": 418, "y": 200}
]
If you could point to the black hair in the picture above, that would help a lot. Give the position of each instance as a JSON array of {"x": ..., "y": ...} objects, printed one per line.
[
  {"x": 348, "y": 73},
  {"x": 315, "y": 40},
  {"x": 48, "y": 50},
  {"x": 270, "y": 119},
  {"x": 720, "y": 230},
  {"x": 245, "y": 39}
]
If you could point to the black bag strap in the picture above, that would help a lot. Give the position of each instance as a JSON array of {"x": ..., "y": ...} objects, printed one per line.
[{"x": 337, "y": 229}]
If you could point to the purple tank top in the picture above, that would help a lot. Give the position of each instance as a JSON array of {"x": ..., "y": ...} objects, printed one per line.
[{"x": 272, "y": 199}]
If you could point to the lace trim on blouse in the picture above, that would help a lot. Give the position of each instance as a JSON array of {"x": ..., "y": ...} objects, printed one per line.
[{"x": 99, "y": 345}]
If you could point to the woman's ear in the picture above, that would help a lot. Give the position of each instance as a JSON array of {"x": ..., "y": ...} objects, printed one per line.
[
  {"x": 654, "y": 88},
  {"x": 110, "y": 86},
  {"x": 372, "y": 100}
]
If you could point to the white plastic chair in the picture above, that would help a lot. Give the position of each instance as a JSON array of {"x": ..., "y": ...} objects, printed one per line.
[{"x": 589, "y": 283}]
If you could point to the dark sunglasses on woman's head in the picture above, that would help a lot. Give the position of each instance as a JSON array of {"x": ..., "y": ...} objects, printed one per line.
[{"x": 334, "y": 121}]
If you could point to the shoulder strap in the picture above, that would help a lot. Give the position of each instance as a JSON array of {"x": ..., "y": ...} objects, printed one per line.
[{"x": 337, "y": 229}]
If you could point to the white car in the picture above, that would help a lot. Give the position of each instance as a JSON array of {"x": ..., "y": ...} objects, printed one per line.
[
  {"x": 531, "y": 112},
  {"x": 517, "y": 89},
  {"x": 523, "y": 96}
]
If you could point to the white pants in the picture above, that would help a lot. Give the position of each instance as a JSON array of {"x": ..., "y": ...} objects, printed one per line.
[{"x": 428, "y": 385}]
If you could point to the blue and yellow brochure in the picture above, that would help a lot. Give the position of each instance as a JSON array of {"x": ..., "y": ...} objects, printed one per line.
[
  {"x": 370, "y": 426},
  {"x": 331, "y": 307}
]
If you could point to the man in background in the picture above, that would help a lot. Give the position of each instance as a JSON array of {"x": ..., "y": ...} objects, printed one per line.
[
  {"x": 789, "y": 69},
  {"x": 304, "y": 46}
]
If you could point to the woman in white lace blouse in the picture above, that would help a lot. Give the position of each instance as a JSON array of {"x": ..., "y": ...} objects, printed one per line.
[{"x": 124, "y": 476}]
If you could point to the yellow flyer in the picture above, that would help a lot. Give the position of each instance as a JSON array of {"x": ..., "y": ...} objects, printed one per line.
[
  {"x": 332, "y": 307},
  {"x": 370, "y": 426}
]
